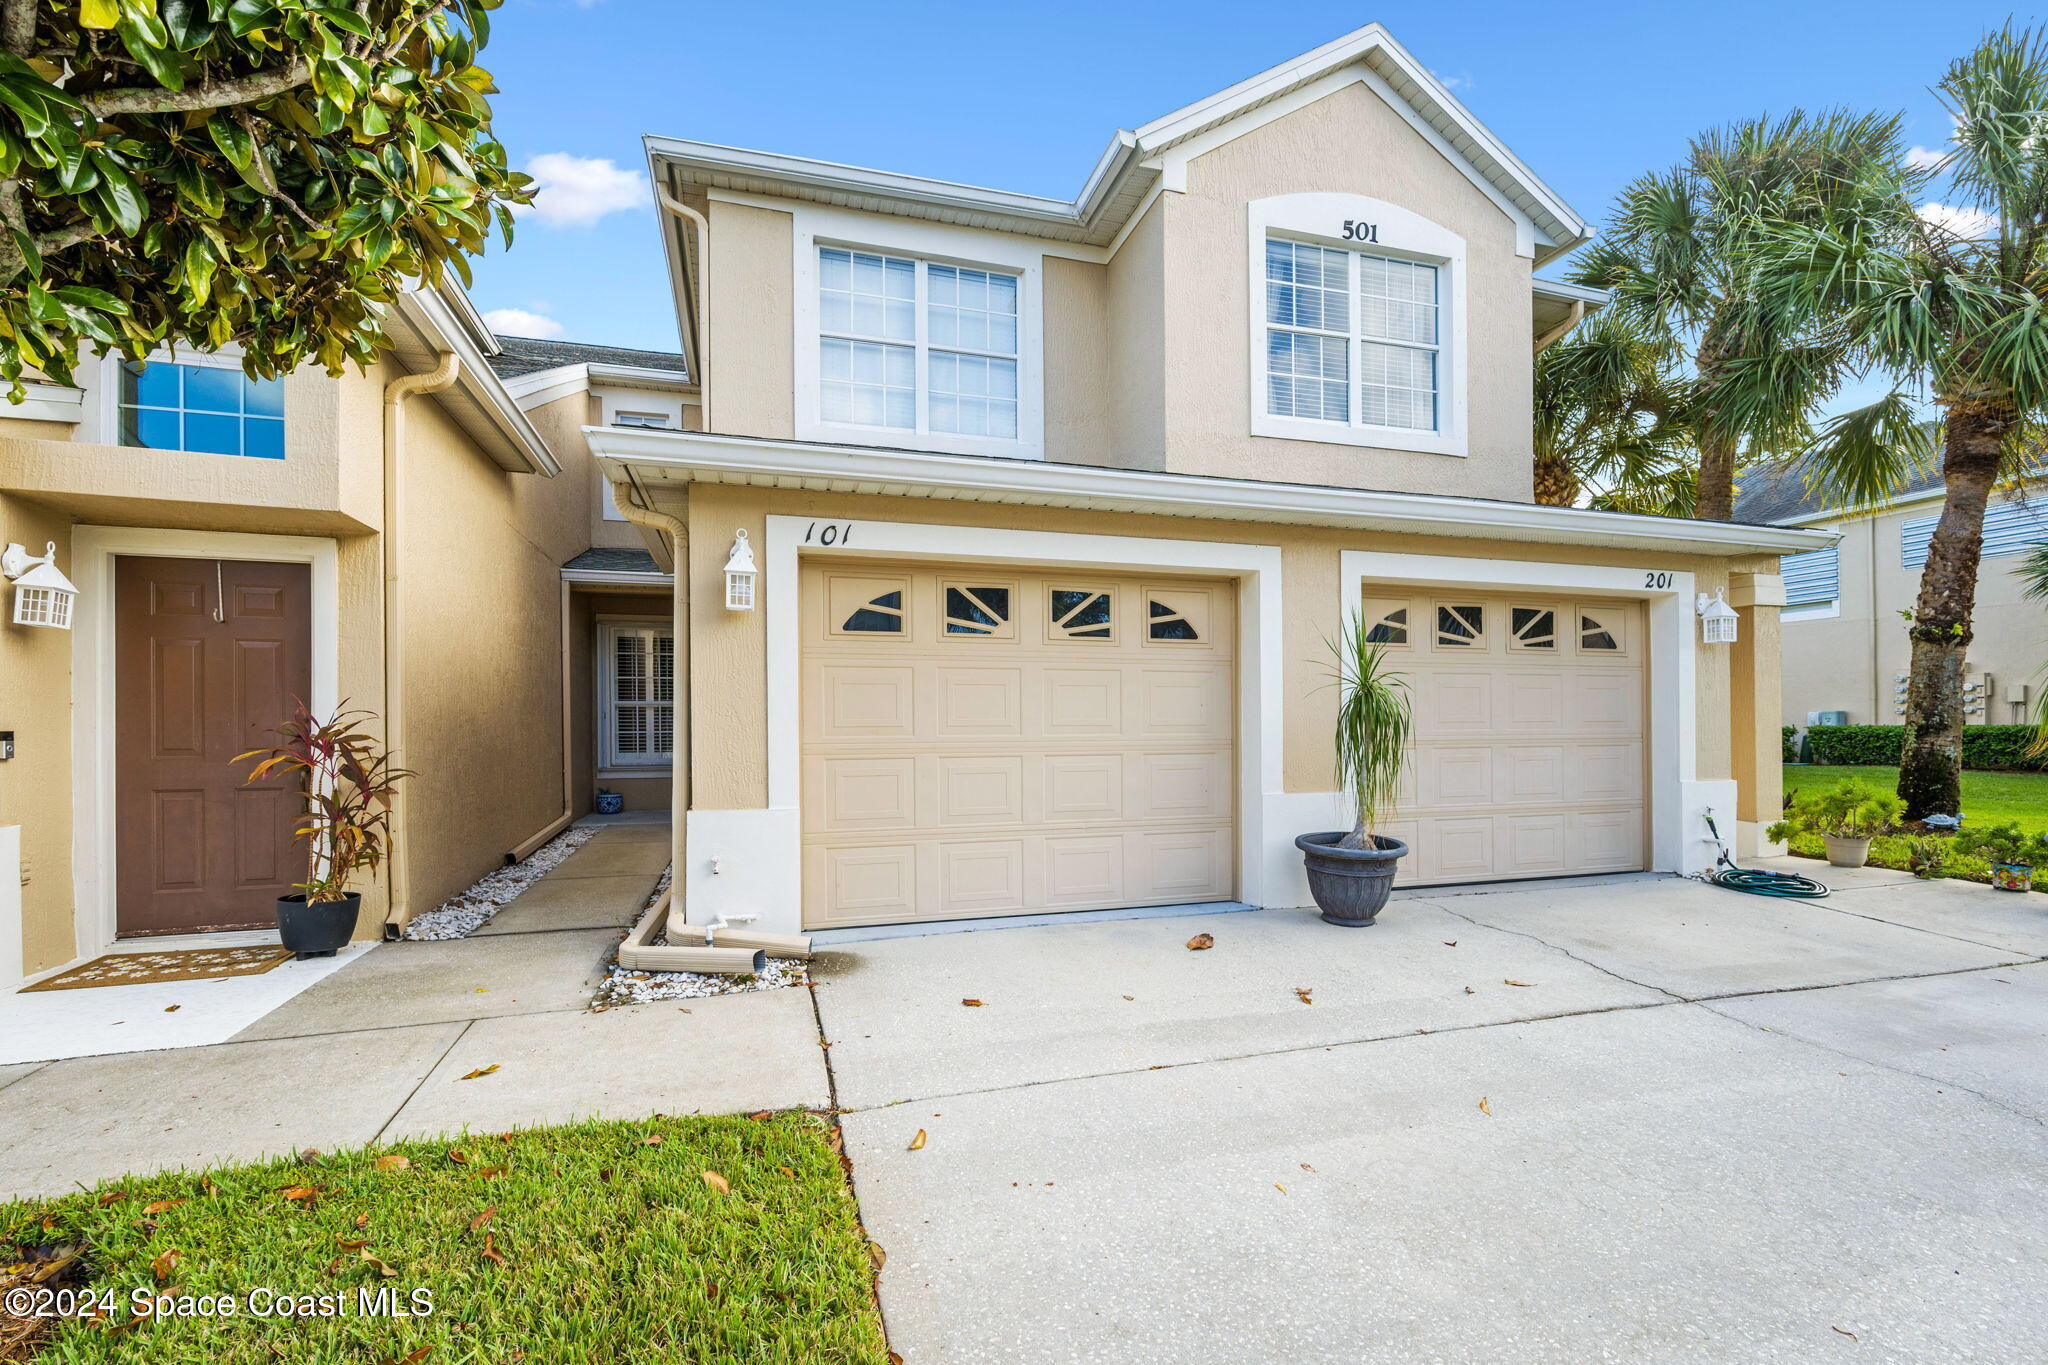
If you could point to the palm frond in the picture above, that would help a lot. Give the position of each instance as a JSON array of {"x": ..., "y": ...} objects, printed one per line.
[{"x": 1867, "y": 455}]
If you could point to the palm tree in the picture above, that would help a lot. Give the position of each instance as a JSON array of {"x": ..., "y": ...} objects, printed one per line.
[
  {"x": 1608, "y": 400},
  {"x": 1678, "y": 262},
  {"x": 1959, "y": 301}
]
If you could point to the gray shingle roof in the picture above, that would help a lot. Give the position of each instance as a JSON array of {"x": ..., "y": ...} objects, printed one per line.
[
  {"x": 608, "y": 560},
  {"x": 526, "y": 355},
  {"x": 1777, "y": 492}
]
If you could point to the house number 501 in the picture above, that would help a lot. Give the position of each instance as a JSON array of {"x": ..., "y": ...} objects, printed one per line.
[
  {"x": 1356, "y": 231},
  {"x": 829, "y": 533}
]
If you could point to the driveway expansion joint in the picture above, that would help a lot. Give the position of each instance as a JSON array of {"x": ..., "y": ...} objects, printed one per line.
[
  {"x": 432, "y": 1067},
  {"x": 1672, "y": 996}
]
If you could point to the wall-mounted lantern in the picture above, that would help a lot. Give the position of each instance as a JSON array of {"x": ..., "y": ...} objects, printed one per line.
[
  {"x": 739, "y": 575},
  {"x": 1717, "y": 620},
  {"x": 42, "y": 595}
]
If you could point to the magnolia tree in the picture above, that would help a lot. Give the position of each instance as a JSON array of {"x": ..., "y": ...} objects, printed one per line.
[{"x": 264, "y": 172}]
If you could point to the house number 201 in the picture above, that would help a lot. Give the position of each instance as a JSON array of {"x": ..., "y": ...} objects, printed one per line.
[
  {"x": 1656, "y": 580},
  {"x": 1356, "y": 231},
  {"x": 829, "y": 533}
]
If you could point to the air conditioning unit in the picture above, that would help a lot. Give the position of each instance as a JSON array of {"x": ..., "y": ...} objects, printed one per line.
[{"x": 1827, "y": 718}]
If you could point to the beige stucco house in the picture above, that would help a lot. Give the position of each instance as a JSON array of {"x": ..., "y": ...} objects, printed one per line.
[
  {"x": 429, "y": 542},
  {"x": 1012, "y": 529},
  {"x": 1846, "y": 648}
]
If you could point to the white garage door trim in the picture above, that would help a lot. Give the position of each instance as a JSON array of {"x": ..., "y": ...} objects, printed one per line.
[
  {"x": 747, "y": 861},
  {"x": 1677, "y": 796}
]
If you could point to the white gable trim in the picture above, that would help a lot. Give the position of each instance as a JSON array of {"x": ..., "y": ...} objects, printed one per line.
[{"x": 1173, "y": 164}]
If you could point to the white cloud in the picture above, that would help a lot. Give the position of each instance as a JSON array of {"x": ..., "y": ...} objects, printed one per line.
[
  {"x": 1925, "y": 158},
  {"x": 1967, "y": 223},
  {"x": 1459, "y": 82},
  {"x": 517, "y": 322},
  {"x": 576, "y": 191}
]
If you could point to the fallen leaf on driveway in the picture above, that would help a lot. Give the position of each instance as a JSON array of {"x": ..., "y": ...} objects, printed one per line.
[
  {"x": 876, "y": 1255},
  {"x": 1470, "y": 991},
  {"x": 1280, "y": 1187},
  {"x": 917, "y": 1141},
  {"x": 394, "y": 1162},
  {"x": 1200, "y": 941},
  {"x": 1130, "y": 997},
  {"x": 172, "y": 1009},
  {"x": 481, "y": 1071},
  {"x": 718, "y": 1182},
  {"x": 1484, "y": 1107},
  {"x": 1450, "y": 943},
  {"x": 1851, "y": 1335},
  {"x": 1510, "y": 981},
  {"x": 975, "y": 1003},
  {"x": 1306, "y": 1167},
  {"x": 1303, "y": 993}
]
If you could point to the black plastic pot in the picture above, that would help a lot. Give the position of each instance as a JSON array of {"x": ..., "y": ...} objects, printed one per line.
[
  {"x": 1349, "y": 884},
  {"x": 317, "y": 928}
]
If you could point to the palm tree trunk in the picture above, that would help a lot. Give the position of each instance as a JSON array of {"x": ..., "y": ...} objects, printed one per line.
[
  {"x": 1931, "y": 758},
  {"x": 1717, "y": 477},
  {"x": 1556, "y": 486}
]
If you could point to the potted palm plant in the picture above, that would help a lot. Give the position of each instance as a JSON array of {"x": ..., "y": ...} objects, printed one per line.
[
  {"x": 1846, "y": 816},
  {"x": 1350, "y": 873},
  {"x": 346, "y": 828}
]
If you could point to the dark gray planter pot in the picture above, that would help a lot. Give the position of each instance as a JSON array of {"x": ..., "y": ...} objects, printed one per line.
[
  {"x": 318, "y": 928},
  {"x": 1349, "y": 884}
]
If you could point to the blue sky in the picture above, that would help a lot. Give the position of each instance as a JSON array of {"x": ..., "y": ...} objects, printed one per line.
[{"x": 1024, "y": 97}]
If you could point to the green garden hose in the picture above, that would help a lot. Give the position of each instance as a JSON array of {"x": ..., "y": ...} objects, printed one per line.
[{"x": 1786, "y": 885}]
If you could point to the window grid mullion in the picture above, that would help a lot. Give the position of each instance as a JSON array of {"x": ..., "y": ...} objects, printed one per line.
[{"x": 920, "y": 338}]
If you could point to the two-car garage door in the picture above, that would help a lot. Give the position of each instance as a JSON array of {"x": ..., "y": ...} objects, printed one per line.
[
  {"x": 985, "y": 742},
  {"x": 1003, "y": 740}
]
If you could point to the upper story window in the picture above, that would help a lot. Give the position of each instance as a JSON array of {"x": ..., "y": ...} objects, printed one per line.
[
  {"x": 203, "y": 404},
  {"x": 916, "y": 346},
  {"x": 1352, "y": 337},
  {"x": 653, "y": 420}
]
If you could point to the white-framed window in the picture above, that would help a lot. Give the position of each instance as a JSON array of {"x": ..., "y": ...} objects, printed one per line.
[
  {"x": 917, "y": 346},
  {"x": 1352, "y": 337},
  {"x": 651, "y": 420},
  {"x": 200, "y": 402},
  {"x": 637, "y": 694},
  {"x": 1357, "y": 324}
]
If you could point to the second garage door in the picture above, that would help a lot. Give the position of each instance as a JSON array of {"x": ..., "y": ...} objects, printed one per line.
[
  {"x": 1529, "y": 756},
  {"x": 998, "y": 741}
]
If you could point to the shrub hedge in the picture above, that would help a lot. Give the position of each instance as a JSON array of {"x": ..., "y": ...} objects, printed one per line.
[
  {"x": 1791, "y": 742},
  {"x": 1986, "y": 748}
]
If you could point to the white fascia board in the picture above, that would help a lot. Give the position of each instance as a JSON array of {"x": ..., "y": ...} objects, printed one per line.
[
  {"x": 616, "y": 578},
  {"x": 651, "y": 456},
  {"x": 1573, "y": 293},
  {"x": 542, "y": 387},
  {"x": 47, "y": 403},
  {"x": 639, "y": 377},
  {"x": 439, "y": 325}
]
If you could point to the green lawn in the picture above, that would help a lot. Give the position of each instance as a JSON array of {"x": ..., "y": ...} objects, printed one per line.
[
  {"x": 598, "y": 1242},
  {"x": 1988, "y": 798}
]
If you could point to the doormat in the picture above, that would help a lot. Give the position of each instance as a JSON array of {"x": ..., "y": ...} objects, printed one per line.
[{"x": 182, "y": 964}]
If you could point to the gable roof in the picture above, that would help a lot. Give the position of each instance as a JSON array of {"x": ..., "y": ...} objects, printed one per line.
[
  {"x": 1129, "y": 167},
  {"x": 529, "y": 355}
]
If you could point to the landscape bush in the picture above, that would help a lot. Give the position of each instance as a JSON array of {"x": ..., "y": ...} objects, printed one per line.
[{"x": 1986, "y": 748}]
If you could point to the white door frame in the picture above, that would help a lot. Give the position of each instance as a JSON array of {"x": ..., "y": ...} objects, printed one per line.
[
  {"x": 93, "y": 703},
  {"x": 1677, "y": 795},
  {"x": 748, "y": 862}
]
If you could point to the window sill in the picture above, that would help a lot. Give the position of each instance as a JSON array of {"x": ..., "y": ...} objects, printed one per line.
[
  {"x": 1378, "y": 438},
  {"x": 626, "y": 774}
]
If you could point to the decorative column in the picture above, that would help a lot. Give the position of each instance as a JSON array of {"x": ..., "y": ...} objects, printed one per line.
[{"x": 1757, "y": 695}]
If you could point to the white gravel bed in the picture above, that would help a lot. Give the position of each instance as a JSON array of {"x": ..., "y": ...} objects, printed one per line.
[
  {"x": 466, "y": 912},
  {"x": 622, "y": 987}
]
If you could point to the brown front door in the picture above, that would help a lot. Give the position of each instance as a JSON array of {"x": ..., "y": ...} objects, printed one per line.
[{"x": 209, "y": 658}]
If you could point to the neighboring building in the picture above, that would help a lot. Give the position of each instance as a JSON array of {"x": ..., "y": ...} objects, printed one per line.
[
  {"x": 1846, "y": 648},
  {"x": 449, "y": 562},
  {"x": 1054, "y": 504}
]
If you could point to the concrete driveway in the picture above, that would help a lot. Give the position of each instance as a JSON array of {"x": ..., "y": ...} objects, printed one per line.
[{"x": 1632, "y": 1121}]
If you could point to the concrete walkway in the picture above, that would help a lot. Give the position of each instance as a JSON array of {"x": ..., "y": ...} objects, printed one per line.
[
  {"x": 378, "y": 1050},
  {"x": 1639, "y": 1120}
]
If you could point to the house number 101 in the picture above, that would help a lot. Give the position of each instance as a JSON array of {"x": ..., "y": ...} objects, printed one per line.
[
  {"x": 1355, "y": 231},
  {"x": 829, "y": 533}
]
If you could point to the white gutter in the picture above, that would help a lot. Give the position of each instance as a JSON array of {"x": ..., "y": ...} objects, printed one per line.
[
  {"x": 654, "y": 456},
  {"x": 450, "y": 331},
  {"x": 617, "y": 578},
  {"x": 700, "y": 326}
]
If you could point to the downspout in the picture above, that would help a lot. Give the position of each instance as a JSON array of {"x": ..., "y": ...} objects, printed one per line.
[
  {"x": 1573, "y": 318},
  {"x": 396, "y": 392},
  {"x": 702, "y": 295},
  {"x": 679, "y": 602}
]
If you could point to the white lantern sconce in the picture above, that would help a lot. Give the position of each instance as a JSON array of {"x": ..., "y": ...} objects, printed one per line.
[
  {"x": 42, "y": 594},
  {"x": 1717, "y": 620},
  {"x": 740, "y": 573}
]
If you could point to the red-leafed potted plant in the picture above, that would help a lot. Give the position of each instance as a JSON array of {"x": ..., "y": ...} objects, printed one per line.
[{"x": 346, "y": 828}]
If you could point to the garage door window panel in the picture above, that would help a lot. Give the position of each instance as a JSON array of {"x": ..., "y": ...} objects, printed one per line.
[
  {"x": 868, "y": 606},
  {"x": 980, "y": 611},
  {"x": 1387, "y": 621},
  {"x": 1083, "y": 614},
  {"x": 1532, "y": 628},
  {"x": 1460, "y": 625},
  {"x": 1601, "y": 630}
]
